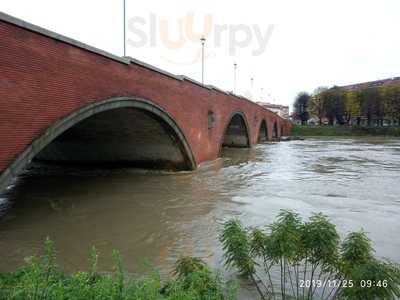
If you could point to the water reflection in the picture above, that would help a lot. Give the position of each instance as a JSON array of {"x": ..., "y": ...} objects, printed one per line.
[{"x": 154, "y": 218}]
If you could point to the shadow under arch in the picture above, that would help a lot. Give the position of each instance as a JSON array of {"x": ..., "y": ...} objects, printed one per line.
[
  {"x": 236, "y": 133},
  {"x": 275, "y": 133},
  {"x": 89, "y": 112},
  {"x": 263, "y": 132}
]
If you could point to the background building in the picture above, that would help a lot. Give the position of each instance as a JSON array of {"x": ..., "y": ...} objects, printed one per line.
[
  {"x": 280, "y": 110},
  {"x": 370, "y": 84}
]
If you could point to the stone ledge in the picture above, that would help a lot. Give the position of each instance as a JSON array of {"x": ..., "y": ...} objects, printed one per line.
[
  {"x": 20, "y": 23},
  {"x": 125, "y": 60},
  {"x": 195, "y": 82},
  {"x": 152, "y": 68}
]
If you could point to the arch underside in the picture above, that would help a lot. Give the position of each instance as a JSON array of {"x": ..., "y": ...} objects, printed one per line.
[
  {"x": 275, "y": 134},
  {"x": 122, "y": 136},
  {"x": 236, "y": 133},
  {"x": 119, "y": 131},
  {"x": 263, "y": 133}
]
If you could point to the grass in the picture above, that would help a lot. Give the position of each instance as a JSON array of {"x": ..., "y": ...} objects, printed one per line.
[
  {"x": 41, "y": 279},
  {"x": 313, "y": 130}
]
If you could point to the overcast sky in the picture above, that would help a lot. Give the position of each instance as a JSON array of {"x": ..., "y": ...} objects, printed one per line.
[{"x": 286, "y": 46}]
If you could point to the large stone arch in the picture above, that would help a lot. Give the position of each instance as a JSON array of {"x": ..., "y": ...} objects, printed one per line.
[
  {"x": 263, "y": 135},
  {"x": 58, "y": 128},
  {"x": 236, "y": 133},
  {"x": 275, "y": 131}
]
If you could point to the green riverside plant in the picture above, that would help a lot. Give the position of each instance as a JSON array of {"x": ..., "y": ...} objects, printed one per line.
[
  {"x": 296, "y": 259},
  {"x": 288, "y": 259},
  {"x": 43, "y": 279}
]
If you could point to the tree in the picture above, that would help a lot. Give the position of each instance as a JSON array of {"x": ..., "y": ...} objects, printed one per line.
[
  {"x": 351, "y": 101},
  {"x": 300, "y": 107},
  {"x": 372, "y": 104},
  {"x": 317, "y": 103},
  {"x": 391, "y": 96},
  {"x": 310, "y": 252},
  {"x": 334, "y": 107},
  {"x": 380, "y": 106}
]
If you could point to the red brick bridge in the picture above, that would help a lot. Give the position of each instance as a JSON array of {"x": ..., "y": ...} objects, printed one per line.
[{"x": 64, "y": 101}]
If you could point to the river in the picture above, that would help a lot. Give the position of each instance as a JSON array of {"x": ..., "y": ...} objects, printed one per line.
[{"x": 153, "y": 218}]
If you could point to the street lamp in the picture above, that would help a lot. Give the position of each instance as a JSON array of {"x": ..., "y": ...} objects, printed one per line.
[
  {"x": 251, "y": 88},
  {"x": 124, "y": 28},
  {"x": 234, "y": 77},
  {"x": 203, "y": 40}
]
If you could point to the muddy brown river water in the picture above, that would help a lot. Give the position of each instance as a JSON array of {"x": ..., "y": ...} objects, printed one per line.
[{"x": 154, "y": 218}]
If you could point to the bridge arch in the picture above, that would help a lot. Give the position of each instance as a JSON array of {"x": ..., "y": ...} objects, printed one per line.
[
  {"x": 236, "y": 133},
  {"x": 118, "y": 107},
  {"x": 275, "y": 131},
  {"x": 263, "y": 132}
]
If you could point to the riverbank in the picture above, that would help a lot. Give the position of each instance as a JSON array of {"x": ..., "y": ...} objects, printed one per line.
[
  {"x": 307, "y": 130},
  {"x": 314, "y": 241},
  {"x": 42, "y": 279}
]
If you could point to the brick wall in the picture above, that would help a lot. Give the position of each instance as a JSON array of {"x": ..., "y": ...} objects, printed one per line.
[{"x": 43, "y": 79}]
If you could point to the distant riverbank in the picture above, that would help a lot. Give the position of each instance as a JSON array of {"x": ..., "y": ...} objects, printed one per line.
[{"x": 310, "y": 130}]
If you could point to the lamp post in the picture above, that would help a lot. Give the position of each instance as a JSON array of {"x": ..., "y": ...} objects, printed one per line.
[
  {"x": 234, "y": 77},
  {"x": 251, "y": 88},
  {"x": 124, "y": 28},
  {"x": 203, "y": 40}
]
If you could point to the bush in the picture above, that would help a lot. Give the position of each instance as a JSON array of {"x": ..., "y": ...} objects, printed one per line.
[
  {"x": 343, "y": 130},
  {"x": 309, "y": 259},
  {"x": 43, "y": 279},
  {"x": 288, "y": 259}
]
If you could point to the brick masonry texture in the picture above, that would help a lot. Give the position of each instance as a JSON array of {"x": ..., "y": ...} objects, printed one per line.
[{"x": 43, "y": 80}]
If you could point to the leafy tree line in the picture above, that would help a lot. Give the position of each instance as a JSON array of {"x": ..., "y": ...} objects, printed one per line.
[{"x": 365, "y": 106}]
